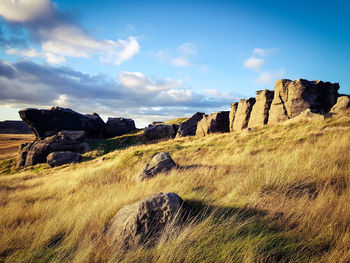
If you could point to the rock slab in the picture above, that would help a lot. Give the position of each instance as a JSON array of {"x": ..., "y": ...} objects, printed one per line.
[
  {"x": 293, "y": 97},
  {"x": 260, "y": 111},
  {"x": 59, "y": 158},
  {"x": 160, "y": 163},
  {"x": 118, "y": 127},
  {"x": 142, "y": 223},
  {"x": 45, "y": 123},
  {"x": 161, "y": 131},
  {"x": 343, "y": 103},
  {"x": 189, "y": 127},
  {"x": 232, "y": 116},
  {"x": 243, "y": 112},
  {"x": 214, "y": 123}
]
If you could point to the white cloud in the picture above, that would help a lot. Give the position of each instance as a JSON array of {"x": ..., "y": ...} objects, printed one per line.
[
  {"x": 187, "y": 49},
  {"x": 24, "y": 10},
  {"x": 179, "y": 57},
  {"x": 267, "y": 78},
  {"x": 139, "y": 83},
  {"x": 263, "y": 51},
  {"x": 253, "y": 63},
  {"x": 60, "y": 39},
  {"x": 180, "y": 62}
]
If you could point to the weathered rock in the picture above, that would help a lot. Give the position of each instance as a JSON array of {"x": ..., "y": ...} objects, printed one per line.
[
  {"x": 60, "y": 158},
  {"x": 45, "y": 123},
  {"x": 243, "y": 112},
  {"x": 343, "y": 103},
  {"x": 260, "y": 112},
  {"x": 189, "y": 127},
  {"x": 119, "y": 126},
  {"x": 232, "y": 116},
  {"x": 37, "y": 151},
  {"x": 213, "y": 123},
  {"x": 293, "y": 97},
  {"x": 161, "y": 131},
  {"x": 305, "y": 116},
  {"x": 142, "y": 223},
  {"x": 160, "y": 163},
  {"x": 72, "y": 135}
]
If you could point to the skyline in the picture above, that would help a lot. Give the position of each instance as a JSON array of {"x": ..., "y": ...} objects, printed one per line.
[{"x": 157, "y": 61}]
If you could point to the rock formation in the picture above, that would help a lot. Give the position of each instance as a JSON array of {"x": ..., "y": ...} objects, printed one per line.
[
  {"x": 37, "y": 151},
  {"x": 343, "y": 103},
  {"x": 260, "y": 112},
  {"x": 215, "y": 122},
  {"x": 161, "y": 131},
  {"x": 306, "y": 115},
  {"x": 60, "y": 158},
  {"x": 293, "y": 97},
  {"x": 232, "y": 116},
  {"x": 160, "y": 163},
  {"x": 119, "y": 126},
  {"x": 45, "y": 123},
  {"x": 242, "y": 115},
  {"x": 142, "y": 223},
  {"x": 189, "y": 127}
]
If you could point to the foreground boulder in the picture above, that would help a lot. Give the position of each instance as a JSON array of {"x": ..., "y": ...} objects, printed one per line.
[
  {"x": 161, "y": 131},
  {"x": 142, "y": 223},
  {"x": 45, "y": 123},
  {"x": 244, "y": 109},
  {"x": 60, "y": 158},
  {"x": 293, "y": 97},
  {"x": 160, "y": 163},
  {"x": 343, "y": 103},
  {"x": 119, "y": 126},
  {"x": 37, "y": 151},
  {"x": 214, "y": 123},
  {"x": 260, "y": 111},
  {"x": 306, "y": 115},
  {"x": 232, "y": 116},
  {"x": 189, "y": 127}
]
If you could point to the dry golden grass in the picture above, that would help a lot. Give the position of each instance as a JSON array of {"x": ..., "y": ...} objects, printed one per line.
[
  {"x": 9, "y": 144},
  {"x": 280, "y": 193}
]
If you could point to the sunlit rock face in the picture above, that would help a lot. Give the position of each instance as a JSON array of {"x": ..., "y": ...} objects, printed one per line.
[
  {"x": 260, "y": 111},
  {"x": 293, "y": 97},
  {"x": 243, "y": 112},
  {"x": 214, "y": 123}
]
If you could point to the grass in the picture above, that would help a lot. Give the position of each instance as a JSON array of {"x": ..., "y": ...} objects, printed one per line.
[{"x": 277, "y": 194}]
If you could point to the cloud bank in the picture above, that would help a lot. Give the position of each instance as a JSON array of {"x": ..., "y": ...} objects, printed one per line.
[
  {"x": 131, "y": 94},
  {"x": 59, "y": 37}
]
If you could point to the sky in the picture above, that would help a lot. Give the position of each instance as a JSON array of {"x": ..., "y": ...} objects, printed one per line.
[{"x": 158, "y": 60}]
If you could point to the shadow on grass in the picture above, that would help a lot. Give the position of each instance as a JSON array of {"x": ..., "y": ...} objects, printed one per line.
[{"x": 243, "y": 228}]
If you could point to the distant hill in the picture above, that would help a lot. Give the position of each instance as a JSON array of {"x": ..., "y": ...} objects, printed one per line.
[{"x": 14, "y": 127}]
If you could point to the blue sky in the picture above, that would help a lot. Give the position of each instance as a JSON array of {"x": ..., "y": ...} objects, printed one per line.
[{"x": 155, "y": 60}]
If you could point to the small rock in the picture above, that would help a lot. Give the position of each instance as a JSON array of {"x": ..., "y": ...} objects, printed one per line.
[
  {"x": 160, "y": 163},
  {"x": 142, "y": 223},
  {"x": 60, "y": 158}
]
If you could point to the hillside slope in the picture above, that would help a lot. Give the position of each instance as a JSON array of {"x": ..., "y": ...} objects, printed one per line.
[{"x": 280, "y": 193}]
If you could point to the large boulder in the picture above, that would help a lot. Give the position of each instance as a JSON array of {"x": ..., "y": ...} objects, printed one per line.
[
  {"x": 189, "y": 127},
  {"x": 119, "y": 126},
  {"x": 343, "y": 103},
  {"x": 45, "y": 123},
  {"x": 37, "y": 151},
  {"x": 213, "y": 123},
  {"x": 260, "y": 112},
  {"x": 161, "y": 131},
  {"x": 60, "y": 158},
  {"x": 160, "y": 163},
  {"x": 142, "y": 223},
  {"x": 293, "y": 97},
  {"x": 244, "y": 110},
  {"x": 232, "y": 116}
]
